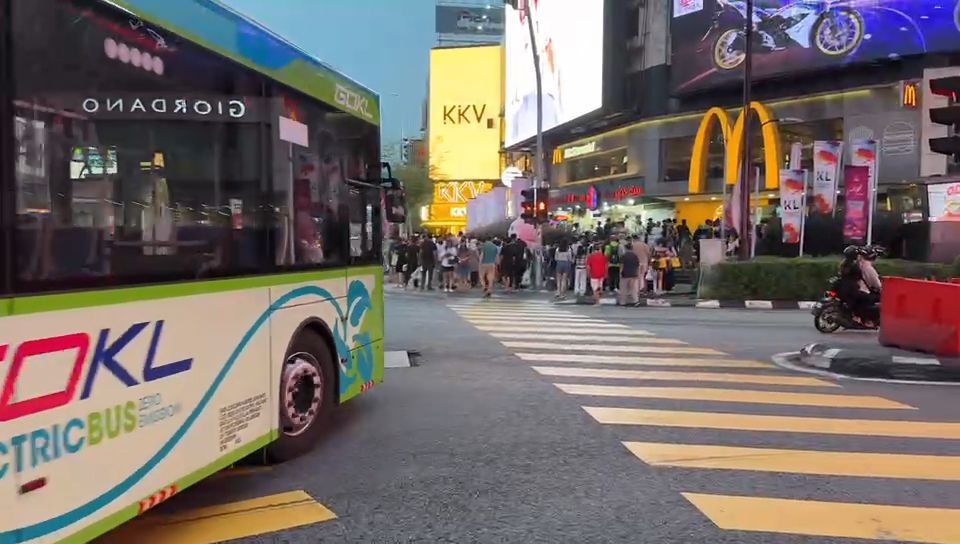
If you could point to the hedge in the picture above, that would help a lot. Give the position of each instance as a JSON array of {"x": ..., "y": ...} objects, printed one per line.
[{"x": 774, "y": 278}]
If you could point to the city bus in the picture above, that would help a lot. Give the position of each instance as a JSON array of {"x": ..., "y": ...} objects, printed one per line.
[{"x": 191, "y": 212}]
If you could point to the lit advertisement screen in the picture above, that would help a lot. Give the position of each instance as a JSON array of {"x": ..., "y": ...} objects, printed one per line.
[
  {"x": 802, "y": 35},
  {"x": 569, "y": 35}
]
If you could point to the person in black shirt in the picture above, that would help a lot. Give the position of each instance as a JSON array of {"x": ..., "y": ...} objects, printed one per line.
[
  {"x": 411, "y": 261},
  {"x": 428, "y": 263}
]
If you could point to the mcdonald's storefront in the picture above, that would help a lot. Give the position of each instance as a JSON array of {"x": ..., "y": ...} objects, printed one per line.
[{"x": 682, "y": 162}]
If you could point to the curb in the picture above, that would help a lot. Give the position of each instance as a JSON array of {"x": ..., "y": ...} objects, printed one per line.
[
  {"x": 706, "y": 304},
  {"x": 876, "y": 364}
]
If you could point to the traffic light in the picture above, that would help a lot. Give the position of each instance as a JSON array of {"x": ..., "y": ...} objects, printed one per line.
[
  {"x": 542, "y": 205},
  {"x": 528, "y": 206},
  {"x": 949, "y": 115}
]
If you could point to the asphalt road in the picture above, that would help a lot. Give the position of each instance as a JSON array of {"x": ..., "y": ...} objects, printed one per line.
[{"x": 636, "y": 444}]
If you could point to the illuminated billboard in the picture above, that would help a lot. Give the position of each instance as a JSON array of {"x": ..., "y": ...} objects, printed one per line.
[
  {"x": 795, "y": 35},
  {"x": 569, "y": 36},
  {"x": 464, "y": 112}
]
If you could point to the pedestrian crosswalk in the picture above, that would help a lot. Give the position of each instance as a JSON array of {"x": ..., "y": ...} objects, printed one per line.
[{"x": 632, "y": 380}]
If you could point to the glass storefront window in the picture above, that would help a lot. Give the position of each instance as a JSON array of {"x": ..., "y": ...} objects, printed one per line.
[
  {"x": 803, "y": 133},
  {"x": 598, "y": 165},
  {"x": 676, "y": 154}
]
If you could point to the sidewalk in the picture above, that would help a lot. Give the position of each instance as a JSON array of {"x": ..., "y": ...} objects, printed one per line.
[{"x": 877, "y": 362}]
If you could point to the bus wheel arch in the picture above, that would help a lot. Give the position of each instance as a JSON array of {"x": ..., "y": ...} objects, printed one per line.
[{"x": 307, "y": 392}]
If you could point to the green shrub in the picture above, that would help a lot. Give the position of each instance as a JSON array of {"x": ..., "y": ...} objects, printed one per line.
[
  {"x": 774, "y": 278},
  {"x": 956, "y": 268}
]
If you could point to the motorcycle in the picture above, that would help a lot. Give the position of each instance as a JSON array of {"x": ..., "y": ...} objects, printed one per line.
[
  {"x": 831, "y": 27},
  {"x": 830, "y": 314}
]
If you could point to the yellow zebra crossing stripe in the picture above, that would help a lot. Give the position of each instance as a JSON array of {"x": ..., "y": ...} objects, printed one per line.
[
  {"x": 612, "y": 349},
  {"x": 786, "y": 424},
  {"x": 570, "y": 372},
  {"x": 830, "y": 463},
  {"x": 640, "y": 361},
  {"x": 734, "y": 395},
  {"x": 830, "y": 519},
  {"x": 223, "y": 522}
]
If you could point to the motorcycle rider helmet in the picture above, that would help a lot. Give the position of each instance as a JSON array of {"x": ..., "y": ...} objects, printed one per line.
[
  {"x": 873, "y": 252},
  {"x": 851, "y": 252}
]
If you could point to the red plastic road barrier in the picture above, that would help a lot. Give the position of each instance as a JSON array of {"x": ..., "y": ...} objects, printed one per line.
[
  {"x": 921, "y": 315},
  {"x": 955, "y": 280}
]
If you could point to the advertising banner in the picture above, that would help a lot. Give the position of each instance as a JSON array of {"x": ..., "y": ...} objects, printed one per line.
[
  {"x": 865, "y": 153},
  {"x": 793, "y": 189},
  {"x": 464, "y": 113},
  {"x": 569, "y": 35},
  {"x": 856, "y": 179},
  {"x": 944, "y": 201},
  {"x": 470, "y": 21},
  {"x": 827, "y": 155},
  {"x": 799, "y": 35}
]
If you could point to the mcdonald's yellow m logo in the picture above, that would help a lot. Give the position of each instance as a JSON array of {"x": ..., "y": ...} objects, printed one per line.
[
  {"x": 732, "y": 142},
  {"x": 910, "y": 94},
  {"x": 557, "y": 156}
]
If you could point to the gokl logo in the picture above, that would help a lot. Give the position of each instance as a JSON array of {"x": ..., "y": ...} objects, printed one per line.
[
  {"x": 105, "y": 356},
  {"x": 460, "y": 114},
  {"x": 352, "y": 101}
]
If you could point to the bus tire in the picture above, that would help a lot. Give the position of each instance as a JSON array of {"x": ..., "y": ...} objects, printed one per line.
[{"x": 306, "y": 399}]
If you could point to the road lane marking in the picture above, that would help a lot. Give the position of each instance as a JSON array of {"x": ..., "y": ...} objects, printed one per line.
[
  {"x": 223, "y": 522},
  {"x": 533, "y": 319},
  {"x": 584, "y": 337},
  {"x": 580, "y": 325},
  {"x": 829, "y": 463},
  {"x": 830, "y": 519},
  {"x": 521, "y": 315},
  {"x": 620, "y": 349},
  {"x": 748, "y": 396},
  {"x": 665, "y": 375},
  {"x": 786, "y": 424},
  {"x": 559, "y": 329},
  {"x": 641, "y": 361}
]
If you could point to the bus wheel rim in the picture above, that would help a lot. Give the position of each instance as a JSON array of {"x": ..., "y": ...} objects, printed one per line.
[{"x": 302, "y": 393}]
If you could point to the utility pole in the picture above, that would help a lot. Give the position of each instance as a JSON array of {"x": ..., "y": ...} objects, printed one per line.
[
  {"x": 538, "y": 159},
  {"x": 744, "y": 227}
]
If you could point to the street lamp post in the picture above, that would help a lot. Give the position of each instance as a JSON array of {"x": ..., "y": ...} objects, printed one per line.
[
  {"x": 744, "y": 226},
  {"x": 538, "y": 159}
]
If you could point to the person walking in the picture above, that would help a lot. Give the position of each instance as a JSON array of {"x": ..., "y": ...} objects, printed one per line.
[
  {"x": 474, "y": 260},
  {"x": 642, "y": 250},
  {"x": 463, "y": 265},
  {"x": 448, "y": 263},
  {"x": 597, "y": 270},
  {"x": 508, "y": 262},
  {"x": 489, "y": 254},
  {"x": 412, "y": 260},
  {"x": 563, "y": 257},
  {"x": 428, "y": 262},
  {"x": 522, "y": 262},
  {"x": 612, "y": 252},
  {"x": 629, "y": 276},
  {"x": 398, "y": 260}
]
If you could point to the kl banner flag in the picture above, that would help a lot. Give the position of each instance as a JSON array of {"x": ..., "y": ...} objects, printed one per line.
[
  {"x": 793, "y": 188},
  {"x": 856, "y": 179},
  {"x": 826, "y": 171}
]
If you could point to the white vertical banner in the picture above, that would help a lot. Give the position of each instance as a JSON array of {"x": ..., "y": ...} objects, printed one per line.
[
  {"x": 864, "y": 153},
  {"x": 793, "y": 185},
  {"x": 827, "y": 156}
]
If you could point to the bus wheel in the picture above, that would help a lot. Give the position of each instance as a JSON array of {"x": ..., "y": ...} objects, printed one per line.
[{"x": 306, "y": 396}]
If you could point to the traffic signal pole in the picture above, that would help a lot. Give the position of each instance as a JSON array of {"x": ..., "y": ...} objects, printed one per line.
[
  {"x": 744, "y": 226},
  {"x": 538, "y": 159}
]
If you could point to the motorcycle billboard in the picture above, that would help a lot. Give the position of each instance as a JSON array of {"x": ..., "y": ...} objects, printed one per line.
[{"x": 791, "y": 36}]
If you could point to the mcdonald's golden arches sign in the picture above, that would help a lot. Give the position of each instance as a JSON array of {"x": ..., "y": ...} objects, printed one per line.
[{"x": 732, "y": 141}]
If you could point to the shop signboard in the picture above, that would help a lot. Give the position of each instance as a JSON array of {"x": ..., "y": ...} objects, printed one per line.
[
  {"x": 570, "y": 40},
  {"x": 799, "y": 35},
  {"x": 944, "y": 201},
  {"x": 856, "y": 180},
  {"x": 469, "y": 21},
  {"x": 827, "y": 156},
  {"x": 793, "y": 189}
]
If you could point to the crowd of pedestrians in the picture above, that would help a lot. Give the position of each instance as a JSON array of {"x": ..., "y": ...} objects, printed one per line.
[{"x": 461, "y": 263}]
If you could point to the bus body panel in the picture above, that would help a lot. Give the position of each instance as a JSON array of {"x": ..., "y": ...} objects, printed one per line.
[{"x": 206, "y": 372}]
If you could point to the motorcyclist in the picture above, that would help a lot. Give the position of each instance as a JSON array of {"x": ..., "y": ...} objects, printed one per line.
[{"x": 859, "y": 284}]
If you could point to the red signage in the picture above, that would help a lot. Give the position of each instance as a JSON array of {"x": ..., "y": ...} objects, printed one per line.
[
  {"x": 620, "y": 193},
  {"x": 628, "y": 191}
]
